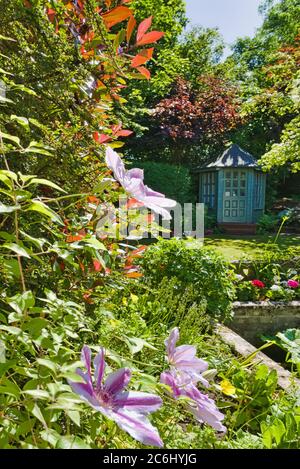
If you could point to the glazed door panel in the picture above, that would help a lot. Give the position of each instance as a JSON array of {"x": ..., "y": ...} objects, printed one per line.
[{"x": 235, "y": 196}]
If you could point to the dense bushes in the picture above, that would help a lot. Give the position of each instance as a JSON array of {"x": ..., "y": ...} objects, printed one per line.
[{"x": 203, "y": 269}]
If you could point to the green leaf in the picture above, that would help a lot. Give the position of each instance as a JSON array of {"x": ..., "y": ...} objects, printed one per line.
[
  {"x": 22, "y": 301},
  {"x": 40, "y": 207},
  {"x": 5, "y": 100},
  {"x": 5, "y": 180},
  {"x": 45, "y": 182},
  {"x": 38, "y": 242},
  {"x": 37, "y": 393},
  {"x": 47, "y": 363},
  {"x": 5, "y": 72},
  {"x": 136, "y": 344},
  {"x": 9, "y": 208},
  {"x": 71, "y": 442},
  {"x": 17, "y": 249},
  {"x": 36, "y": 147},
  {"x": 6, "y": 38},
  {"x": 11, "y": 138},
  {"x": 9, "y": 388},
  {"x": 12, "y": 267},
  {"x": 51, "y": 436},
  {"x": 24, "y": 89},
  {"x": 9, "y": 174},
  {"x": 74, "y": 415},
  {"x": 278, "y": 430},
  {"x": 36, "y": 411},
  {"x": 21, "y": 120},
  {"x": 94, "y": 243}
]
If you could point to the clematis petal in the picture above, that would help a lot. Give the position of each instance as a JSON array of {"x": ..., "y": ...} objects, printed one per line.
[
  {"x": 99, "y": 364},
  {"x": 171, "y": 341},
  {"x": 115, "y": 163},
  {"x": 138, "y": 426},
  {"x": 151, "y": 192},
  {"x": 86, "y": 359},
  {"x": 136, "y": 173},
  {"x": 210, "y": 416},
  {"x": 117, "y": 381},
  {"x": 84, "y": 391},
  {"x": 205, "y": 409},
  {"x": 169, "y": 379},
  {"x": 138, "y": 401},
  {"x": 86, "y": 377}
]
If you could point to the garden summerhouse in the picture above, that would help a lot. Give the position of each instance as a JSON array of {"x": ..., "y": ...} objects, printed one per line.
[{"x": 233, "y": 187}]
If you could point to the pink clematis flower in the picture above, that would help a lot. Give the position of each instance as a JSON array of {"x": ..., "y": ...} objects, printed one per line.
[
  {"x": 133, "y": 182},
  {"x": 185, "y": 372},
  {"x": 183, "y": 359},
  {"x": 128, "y": 409},
  {"x": 293, "y": 284},
  {"x": 201, "y": 406}
]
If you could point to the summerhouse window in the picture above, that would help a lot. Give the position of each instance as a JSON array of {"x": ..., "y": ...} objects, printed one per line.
[
  {"x": 209, "y": 189},
  {"x": 258, "y": 191}
]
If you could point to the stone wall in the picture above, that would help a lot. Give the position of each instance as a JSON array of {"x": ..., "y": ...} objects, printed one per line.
[{"x": 252, "y": 319}]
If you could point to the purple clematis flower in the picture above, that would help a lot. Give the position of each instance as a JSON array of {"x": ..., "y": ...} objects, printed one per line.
[
  {"x": 128, "y": 409},
  {"x": 185, "y": 372},
  {"x": 201, "y": 406},
  {"x": 133, "y": 182},
  {"x": 183, "y": 359}
]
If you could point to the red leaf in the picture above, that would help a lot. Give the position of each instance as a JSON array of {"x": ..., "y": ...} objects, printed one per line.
[
  {"x": 101, "y": 138},
  {"x": 73, "y": 239},
  {"x": 130, "y": 27},
  {"x": 142, "y": 57},
  {"x": 115, "y": 128},
  {"x": 143, "y": 28},
  {"x": 124, "y": 133},
  {"x": 116, "y": 15},
  {"x": 51, "y": 14},
  {"x": 149, "y": 38},
  {"x": 144, "y": 71},
  {"x": 97, "y": 265},
  {"x": 93, "y": 200}
]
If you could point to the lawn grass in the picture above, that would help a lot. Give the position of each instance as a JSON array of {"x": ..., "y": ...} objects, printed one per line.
[{"x": 250, "y": 247}]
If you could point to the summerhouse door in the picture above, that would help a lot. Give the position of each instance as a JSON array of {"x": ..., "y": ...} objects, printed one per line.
[{"x": 235, "y": 196}]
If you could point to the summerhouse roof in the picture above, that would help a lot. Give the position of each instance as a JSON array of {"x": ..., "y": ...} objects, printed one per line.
[{"x": 234, "y": 157}]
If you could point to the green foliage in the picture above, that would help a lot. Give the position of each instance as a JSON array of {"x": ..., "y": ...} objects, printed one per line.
[
  {"x": 267, "y": 223},
  {"x": 201, "y": 268},
  {"x": 289, "y": 341},
  {"x": 173, "y": 181},
  {"x": 286, "y": 152}
]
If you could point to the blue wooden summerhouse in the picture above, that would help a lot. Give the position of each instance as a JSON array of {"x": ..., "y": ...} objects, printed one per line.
[{"x": 234, "y": 187}]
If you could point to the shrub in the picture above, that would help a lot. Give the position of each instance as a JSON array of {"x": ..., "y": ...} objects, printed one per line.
[
  {"x": 203, "y": 269},
  {"x": 267, "y": 223}
]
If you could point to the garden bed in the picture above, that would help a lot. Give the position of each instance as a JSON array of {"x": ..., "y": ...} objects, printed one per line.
[
  {"x": 245, "y": 349},
  {"x": 255, "y": 318}
]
